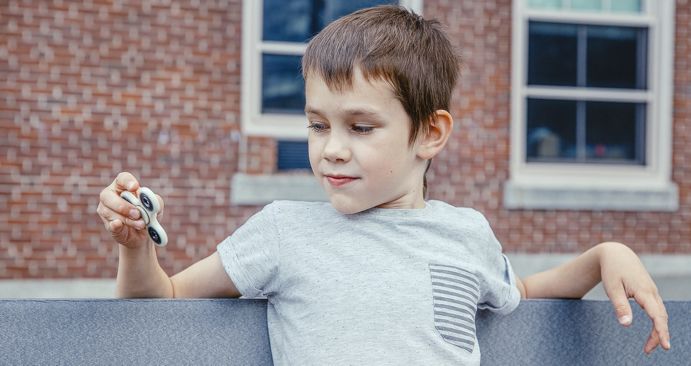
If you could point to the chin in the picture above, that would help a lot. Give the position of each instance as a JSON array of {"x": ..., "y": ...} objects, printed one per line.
[{"x": 347, "y": 208}]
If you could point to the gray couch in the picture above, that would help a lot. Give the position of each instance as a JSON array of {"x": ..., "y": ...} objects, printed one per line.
[{"x": 234, "y": 332}]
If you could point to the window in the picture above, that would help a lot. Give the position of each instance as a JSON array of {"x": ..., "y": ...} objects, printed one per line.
[
  {"x": 276, "y": 33},
  {"x": 591, "y": 105}
]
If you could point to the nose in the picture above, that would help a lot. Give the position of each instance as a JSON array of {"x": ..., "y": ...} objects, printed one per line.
[{"x": 336, "y": 149}]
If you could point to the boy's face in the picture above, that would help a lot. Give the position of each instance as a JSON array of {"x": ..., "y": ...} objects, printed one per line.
[{"x": 358, "y": 146}]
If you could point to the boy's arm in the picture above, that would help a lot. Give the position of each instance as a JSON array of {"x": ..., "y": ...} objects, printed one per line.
[
  {"x": 622, "y": 275},
  {"x": 206, "y": 278},
  {"x": 571, "y": 280},
  {"x": 139, "y": 273}
]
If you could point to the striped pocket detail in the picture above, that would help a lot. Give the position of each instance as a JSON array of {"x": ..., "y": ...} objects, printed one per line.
[{"x": 456, "y": 292}]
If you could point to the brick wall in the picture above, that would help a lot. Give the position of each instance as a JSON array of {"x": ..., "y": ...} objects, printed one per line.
[{"x": 91, "y": 88}]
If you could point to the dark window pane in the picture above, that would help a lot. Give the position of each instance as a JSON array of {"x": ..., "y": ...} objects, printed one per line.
[
  {"x": 288, "y": 21},
  {"x": 616, "y": 57},
  {"x": 615, "y": 132},
  {"x": 299, "y": 20},
  {"x": 552, "y": 54},
  {"x": 283, "y": 90},
  {"x": 334, "y": 9},
  {"x": 293, "y": 155},
  {"x": 551, "y": 130}
]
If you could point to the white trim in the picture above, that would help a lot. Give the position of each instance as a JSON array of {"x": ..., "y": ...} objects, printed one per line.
[
  {"x": 531, "y": 183},
  {"x": 283, "y": 48},
  {"x": 413, "y": 5},
  {"x": 251, "y": 26},
  {"x": 254, "y": 190},
  {"x": 590, "y": 18},
  {"x": 593, "y": 198},
  {"x": 255, "y": 123},
  {"x": 613, "y": 95},
  {"x": 671, "y": 273},
  {"x": 664, "y": 74},
  {"x": 283, "y": 126},
  {"x": 659, "y": 265},
  {"x": 97, "y": 288},
  {"x": 606, "y": 8}
]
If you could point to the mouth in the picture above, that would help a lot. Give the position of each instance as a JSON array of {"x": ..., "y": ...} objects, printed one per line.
[{"x": 339, "y": 180}]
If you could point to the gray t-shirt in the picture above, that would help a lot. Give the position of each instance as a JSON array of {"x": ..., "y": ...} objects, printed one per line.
[{"x": 380, "y": 287}]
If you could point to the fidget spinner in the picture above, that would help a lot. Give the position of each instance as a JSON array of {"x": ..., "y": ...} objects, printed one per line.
[{"x": 148, "y": 206}]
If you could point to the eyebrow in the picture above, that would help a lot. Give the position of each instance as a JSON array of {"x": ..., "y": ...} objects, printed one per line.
[{"x": 349, "y": 112}]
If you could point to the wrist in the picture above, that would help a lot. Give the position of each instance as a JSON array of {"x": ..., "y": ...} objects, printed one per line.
[
  {"x": 610, "y": 248},
  {"x": 141, "y": 250},
  {"x": 137, "y": 268}
]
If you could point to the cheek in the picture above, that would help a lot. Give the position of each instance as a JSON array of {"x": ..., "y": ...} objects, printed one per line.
[
  {"x": 389, "y": 158},
  {"x": 313, "y": 150}
]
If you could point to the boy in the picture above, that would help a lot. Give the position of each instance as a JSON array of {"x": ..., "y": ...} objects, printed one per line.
[{"x": 378, "y": 275}]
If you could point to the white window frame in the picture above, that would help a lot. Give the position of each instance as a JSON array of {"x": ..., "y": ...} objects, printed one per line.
[
  {"x": 254, "y": 122},
  {"x": 590, "y": 186}
]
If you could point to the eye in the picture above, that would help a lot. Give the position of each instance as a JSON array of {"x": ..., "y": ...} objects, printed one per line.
[
  {"x": 362, "y": 129},
  {"x": 318, "y": 126}
]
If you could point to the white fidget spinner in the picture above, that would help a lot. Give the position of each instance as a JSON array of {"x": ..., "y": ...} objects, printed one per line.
[{"x": 148, "y": 206}]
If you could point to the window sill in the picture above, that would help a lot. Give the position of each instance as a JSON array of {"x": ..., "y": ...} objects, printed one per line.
[
  {"x": 252, "y": 190},
  {"x": 517, "y": 196}
]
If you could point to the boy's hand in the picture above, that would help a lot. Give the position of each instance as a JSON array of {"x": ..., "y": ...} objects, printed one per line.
[
  {"x": 624, "y": 277},
  {"x": 121, "y": 218}
]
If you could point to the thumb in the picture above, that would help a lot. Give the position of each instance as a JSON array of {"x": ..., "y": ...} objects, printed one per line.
[
  {"x": 620, "y": 302},
  {"x": 125, "y": 181}
]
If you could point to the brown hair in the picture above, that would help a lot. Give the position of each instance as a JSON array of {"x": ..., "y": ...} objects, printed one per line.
[{"x": 393, "y": 44}]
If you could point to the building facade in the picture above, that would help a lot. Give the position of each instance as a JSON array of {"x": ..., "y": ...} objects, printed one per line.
[{"x": 572, "y": 121}]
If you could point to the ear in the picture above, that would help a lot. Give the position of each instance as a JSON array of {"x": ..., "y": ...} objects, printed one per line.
[{"x": 438, "y": 132}]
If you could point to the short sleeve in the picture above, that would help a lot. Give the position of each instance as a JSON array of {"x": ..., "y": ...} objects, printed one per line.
[
  {"x": 250, "y": 255},
  {"x": 499, "y": 291}
]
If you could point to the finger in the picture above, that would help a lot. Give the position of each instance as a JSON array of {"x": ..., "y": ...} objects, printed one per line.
[
  {"x": 160, "y": 200},
  {"x": 117, "y": 231},
  {"x": 113, "y": 202},
  {"x": 125, "y": 181},
  {"x": 652, "y": 343},
  {"x": 664, "y": 336},
  {"x": 109, "y": 217},
  {"x": 620, "y": 302},
  {"x": 115, "y": 227},
  {"x": 655, "y": 308}
]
